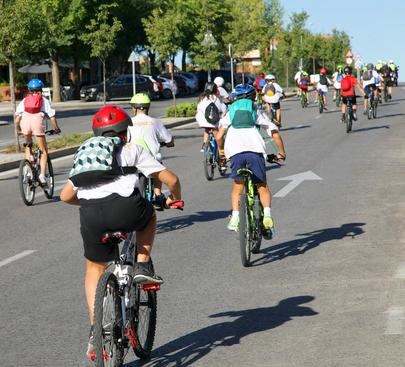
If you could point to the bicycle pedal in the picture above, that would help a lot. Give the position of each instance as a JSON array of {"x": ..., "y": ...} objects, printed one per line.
[{"x": 151, "y": 287}]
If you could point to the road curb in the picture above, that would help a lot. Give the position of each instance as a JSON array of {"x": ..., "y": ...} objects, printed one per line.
[{"x": 71, "y": 150}]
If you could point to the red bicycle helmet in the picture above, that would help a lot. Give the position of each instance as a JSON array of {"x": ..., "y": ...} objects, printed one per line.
[
  {"x": 322, "y": 71},
  {"x": 110, "y": 119}
]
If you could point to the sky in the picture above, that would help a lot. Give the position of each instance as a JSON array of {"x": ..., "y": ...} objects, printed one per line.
[{"x": 376, "y": 28}]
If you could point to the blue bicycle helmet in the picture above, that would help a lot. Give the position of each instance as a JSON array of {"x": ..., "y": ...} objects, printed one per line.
[
  {"x": 244, "y": 91},
  {"x": 35, "y": 85}
]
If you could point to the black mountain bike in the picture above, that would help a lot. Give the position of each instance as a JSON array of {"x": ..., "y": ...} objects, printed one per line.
[
  {"x": 124, "y": 311},
  {"x": 28, "y": 174},
  {"x": 320, "y": 101},
  {"x": 372, "y": 105},
  {"x": 348, "y": 119},
  {"x": 251, "y": 230}
]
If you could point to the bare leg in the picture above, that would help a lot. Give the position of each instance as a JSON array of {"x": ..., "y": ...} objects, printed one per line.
[
  {"x": 94, "y": 271},
  {"x": 27, "y": 150},
  {"x": 264, "y": 194},
  {"x": 237, "y": 190},
  {"x": 41, "y": 141},
  {"x": 144, "y": 240}
]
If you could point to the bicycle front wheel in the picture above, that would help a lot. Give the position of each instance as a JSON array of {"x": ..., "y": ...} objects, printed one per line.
[
  {"x": 244, "y": 230},
  {"x": 26, "y": 182},
  {"x": 144, "y": 321},
  {"x": 208, "y": 162},
  {"x": 108, "y": 323},
  {"x": 48, "y": 189}
]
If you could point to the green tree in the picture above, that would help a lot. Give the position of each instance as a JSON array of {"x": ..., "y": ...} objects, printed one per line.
[
  {"x": 165, "y": 40},
  {"x": 17, "y": 37},
  {"x": 61, "y": 22},
  {"x": 101, "y": 36}
]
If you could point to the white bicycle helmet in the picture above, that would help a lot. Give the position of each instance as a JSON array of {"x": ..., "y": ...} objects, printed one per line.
[
  {"x": 219, "y": 81},
  {"x": 270, "y": 77}
]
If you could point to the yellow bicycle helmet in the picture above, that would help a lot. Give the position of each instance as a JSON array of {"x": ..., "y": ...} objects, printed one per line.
[{"x": 140, "y": 101}]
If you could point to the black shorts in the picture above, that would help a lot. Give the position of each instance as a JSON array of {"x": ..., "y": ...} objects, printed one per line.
[
  {"x": 367, "y": 90},
  {"x": 352, "y": 99},
  {"x": 112, "y": 213},
  {"x": 276, "y": 106}
]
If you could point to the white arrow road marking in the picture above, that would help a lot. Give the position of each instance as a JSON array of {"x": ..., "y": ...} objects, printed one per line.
[
  {"x": 295, "y": 181},
  {"x": 400, "y": 271},
  {"x": 16, "y": 257},
  {"x": 395, "y": 317}
]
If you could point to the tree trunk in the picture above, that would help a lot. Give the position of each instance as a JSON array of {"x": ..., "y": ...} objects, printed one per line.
[
  {"x": 75, "y": 78},
  {"x": 286, "y": 74},
  {"x": 104, "y": 86},
  {"x": 183, "y": 61},
  {"x": 13, "y": 104},
  {"x": 55, "y": 79},
  {"x": 174, "y": 89}
]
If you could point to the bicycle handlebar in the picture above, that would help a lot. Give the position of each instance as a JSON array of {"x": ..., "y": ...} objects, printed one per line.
[{"x": 272, "y": 158}]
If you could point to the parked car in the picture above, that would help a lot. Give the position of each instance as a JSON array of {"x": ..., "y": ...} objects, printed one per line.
[
  {"x": 168, "y": 87},
  {"x": 181, "y": 84},
  {"x": 117, "y": 87},
  {"x": 191, "y": 80},
  {"x": 157, "y": 86}
]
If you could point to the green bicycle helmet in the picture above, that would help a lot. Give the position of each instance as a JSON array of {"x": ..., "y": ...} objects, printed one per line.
[{"x": 140, "y": 101}]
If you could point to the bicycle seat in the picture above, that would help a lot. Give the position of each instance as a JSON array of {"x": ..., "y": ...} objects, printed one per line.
[
  {"x": 113, "y": 237},
  {"x": 244, "y": 172}
]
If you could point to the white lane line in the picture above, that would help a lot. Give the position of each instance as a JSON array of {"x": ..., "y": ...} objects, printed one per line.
[
  {"x": 400, "y": 274},
  {"x": 395, "y": 317},
  {"x": 318, "y": 117},
  {"x": 16, "y": 257}
]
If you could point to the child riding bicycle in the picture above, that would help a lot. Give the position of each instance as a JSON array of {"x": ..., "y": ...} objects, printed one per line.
[
  {"x": 245, "y": 147},
  {"x": 29, "y": 121},
  {"x": 117, "y": 205},
  {"x": 149, "y": 132}
]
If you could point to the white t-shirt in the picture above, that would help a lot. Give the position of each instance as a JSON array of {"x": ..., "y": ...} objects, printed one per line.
[
  {"x": 277, "y": 95},
  {"x": 46, "y": 108},
  {"x": 319, "y": 86},
  {"x": 336, "y": 83},
  {"x": 297, "y": 76},
  {"x": 246, "y": 139},
  {"x": 223, "y": 94},
  {"x": 151, "y": 130},
  {"x": 202, "y": 105},
  {"x": 129, "y": 155},
  {"x": 371, "y": 81}
]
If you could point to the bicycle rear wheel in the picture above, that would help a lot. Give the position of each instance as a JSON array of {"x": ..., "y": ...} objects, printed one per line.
[
  {"x": 144, "y": 321},
  {"x": 244, "y": 230},
  {"x": 349, "y": 122},
  {"x": 208, "y": 162},
  {"x": 26, "y": 182},
  {"x": 257, "y": 238},
  {"x": 108, "y": 323},
  {"x": 48, "y": 190}
]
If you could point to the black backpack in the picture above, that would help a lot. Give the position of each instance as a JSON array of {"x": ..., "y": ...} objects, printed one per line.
[
  {"x": 367, "y": 75},
  {"x": 95, "y": 162},
  {"x": 323, "y": 79},
  {"x": 212, "y": 114}
]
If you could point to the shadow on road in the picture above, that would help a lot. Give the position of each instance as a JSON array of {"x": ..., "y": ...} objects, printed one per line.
[
  {"x": 188, "y": 349},
  {"x": 172, "y": 224},
  {"x": 308, "y": 241},
  {"x": 370, "y": 128}
]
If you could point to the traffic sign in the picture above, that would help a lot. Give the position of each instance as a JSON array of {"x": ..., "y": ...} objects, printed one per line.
[{"x": 134, "y": 57}]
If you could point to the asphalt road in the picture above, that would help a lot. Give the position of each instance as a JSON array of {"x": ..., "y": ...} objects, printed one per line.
[{"x": 327, "y": 291}]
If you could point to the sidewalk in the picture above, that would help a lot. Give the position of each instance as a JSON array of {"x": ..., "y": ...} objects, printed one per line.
[{"x": 12, "y": 160}]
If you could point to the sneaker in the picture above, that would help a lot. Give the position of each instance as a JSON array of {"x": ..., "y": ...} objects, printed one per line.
[
  {"x": 325, "y": 108},
  {"x": 268, "y": 222},
  {"x": 158, "y": 202},
  {"x": 233, "y": 224},
  {"x": 90, "y": 345},
  {"x": 202, "y": 148},
  {"x": 354, "y": 116},
  {"x": 42, "y": 180},
  {"x": 143, "y": 273},
  {"x": 342, "y": 120}
]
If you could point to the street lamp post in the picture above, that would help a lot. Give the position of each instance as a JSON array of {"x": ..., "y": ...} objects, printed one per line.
[
  {"x": 209, "y": 41},
  {"x": 230, "y": 56}
]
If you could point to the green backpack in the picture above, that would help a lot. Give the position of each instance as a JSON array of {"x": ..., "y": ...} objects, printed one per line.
[{"x": 243, "y": 114}]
